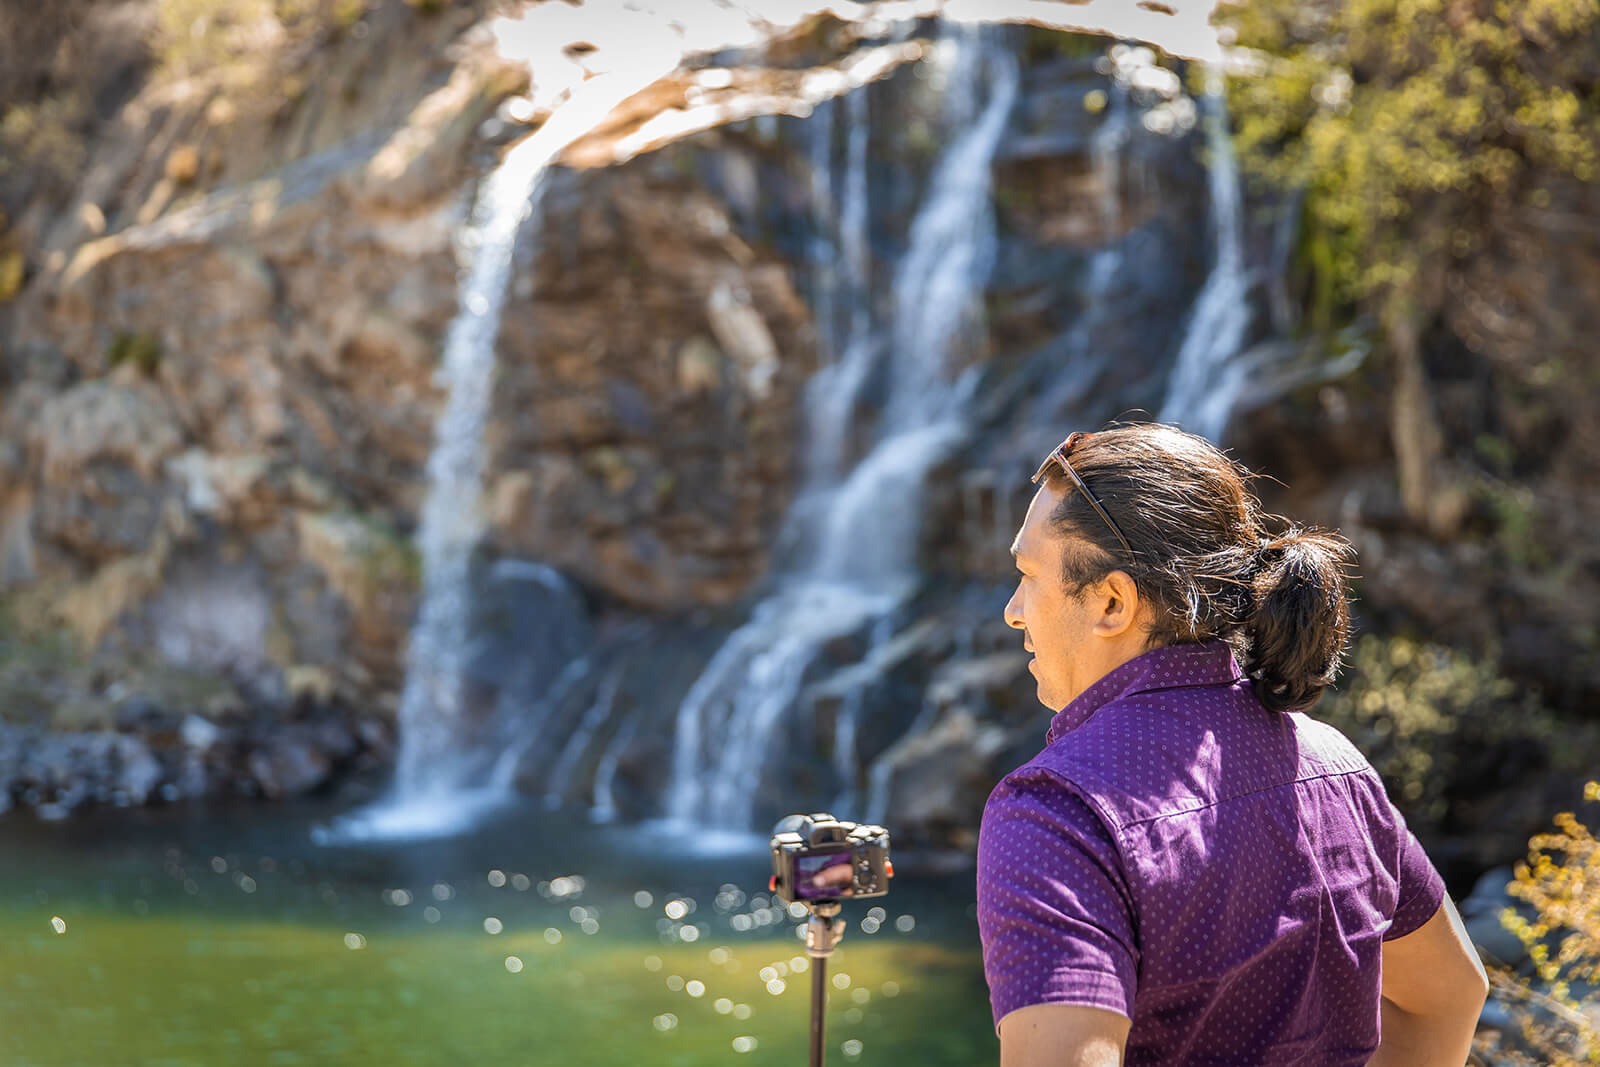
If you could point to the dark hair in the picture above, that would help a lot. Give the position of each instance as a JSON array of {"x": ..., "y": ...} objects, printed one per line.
[{"x": 1210, "y": 562}]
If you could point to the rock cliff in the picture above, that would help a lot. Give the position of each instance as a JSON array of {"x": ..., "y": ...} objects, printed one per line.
[{"x": 219, "y": 385}]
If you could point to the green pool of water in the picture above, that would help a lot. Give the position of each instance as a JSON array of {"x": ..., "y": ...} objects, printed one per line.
[{"x": 189, "y": 938}]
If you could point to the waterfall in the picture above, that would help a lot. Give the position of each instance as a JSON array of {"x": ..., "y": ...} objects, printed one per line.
[
  {"x": 443, "y": 780},
  {"x": 1207, "y": 376},
  {"x": 588, "y": 728},
  {"x": 861, "y": 530},
  {"x": 834, "y": 392},
  {"x": 822, "y": 250},
  {"x": 1078, "y": 356}
]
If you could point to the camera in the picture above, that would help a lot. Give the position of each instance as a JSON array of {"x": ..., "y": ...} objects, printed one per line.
[{"x": 805, "y": 846}]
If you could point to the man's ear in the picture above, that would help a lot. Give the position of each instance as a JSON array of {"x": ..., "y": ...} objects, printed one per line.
[{"x": 1119, "y": 604}]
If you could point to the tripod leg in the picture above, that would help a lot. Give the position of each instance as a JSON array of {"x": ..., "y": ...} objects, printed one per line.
[{"x": 819, "y": 1006}]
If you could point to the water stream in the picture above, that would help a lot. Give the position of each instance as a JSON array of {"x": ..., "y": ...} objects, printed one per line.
[
  {"x": 1207, "y": 376},
  {"x": 860, "y": 532},
  {"x": 450, "y": 770}
]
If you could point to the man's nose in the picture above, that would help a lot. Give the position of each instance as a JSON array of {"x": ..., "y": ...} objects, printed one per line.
[{"x": 1014, "y": 610}]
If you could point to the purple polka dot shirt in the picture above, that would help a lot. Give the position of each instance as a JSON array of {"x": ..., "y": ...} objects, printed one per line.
[{"x": 1221, "y": 874}]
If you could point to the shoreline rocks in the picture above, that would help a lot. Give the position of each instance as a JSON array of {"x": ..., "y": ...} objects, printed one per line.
[{"x": 152, "y": 756}]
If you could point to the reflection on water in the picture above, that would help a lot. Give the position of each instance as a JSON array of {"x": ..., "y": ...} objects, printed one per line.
[{"x": 174, "y": 938}]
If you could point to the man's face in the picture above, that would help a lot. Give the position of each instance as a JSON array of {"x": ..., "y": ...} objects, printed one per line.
[{"x": 1056, "y": 626}]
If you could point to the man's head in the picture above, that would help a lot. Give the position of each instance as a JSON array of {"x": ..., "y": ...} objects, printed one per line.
[
  {"x": 1143, "y": 535},
  {"x": 1077, "y": 633}
]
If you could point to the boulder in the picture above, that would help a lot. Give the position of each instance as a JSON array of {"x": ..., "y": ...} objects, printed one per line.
[
  {"x": 129, "y": 421},
  {"x": 937, "y": 779},
  {"x": 289, "y": 766}
]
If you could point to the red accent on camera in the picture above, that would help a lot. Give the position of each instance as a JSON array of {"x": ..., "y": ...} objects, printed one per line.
[
  {"x": 888, "y": 868},
  {"x": 772, "y": 883}
]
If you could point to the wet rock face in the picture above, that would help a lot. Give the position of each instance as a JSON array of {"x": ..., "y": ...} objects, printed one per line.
[{"x": 651, "y": 362}]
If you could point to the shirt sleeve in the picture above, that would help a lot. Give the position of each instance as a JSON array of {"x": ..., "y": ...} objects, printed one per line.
[
  {"x": 1054, "y": 910},
  {"x": 1421, "y": 888}
]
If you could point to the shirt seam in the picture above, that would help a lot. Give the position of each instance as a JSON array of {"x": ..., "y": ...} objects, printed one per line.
[
  {"x": 1122, "y": 827},
  {"x": 1126, "y": 853}
]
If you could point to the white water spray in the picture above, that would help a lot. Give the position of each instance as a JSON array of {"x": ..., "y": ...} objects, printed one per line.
[{"x": 1207, "y": 375}]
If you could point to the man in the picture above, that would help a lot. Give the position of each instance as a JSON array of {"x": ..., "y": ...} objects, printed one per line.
[{"x": 1192, "y": 871}]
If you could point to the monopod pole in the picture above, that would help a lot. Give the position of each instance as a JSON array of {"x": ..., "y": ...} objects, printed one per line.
[
  {"x": 819, "y": 1007},
  {"x": 823, "y": 932}
]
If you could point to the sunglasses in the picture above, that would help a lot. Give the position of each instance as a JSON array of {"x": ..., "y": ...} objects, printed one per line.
[{"x": 1059, "y": 455}]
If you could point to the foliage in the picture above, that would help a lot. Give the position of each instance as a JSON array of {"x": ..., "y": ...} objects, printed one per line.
[
  {"x": 33, "y": 656},
  {"x": 1437, "y": 723},
  {"x": 1406, "y": 121},
  {"x": 234, "y": 38},
  {"x": 12, "y": 267},
  {"x": 60, "y": 63},
  {"x": 140, "y": 348},
  {"x": 1561, "y": 880},
  {"x": 46, "y": 136}
]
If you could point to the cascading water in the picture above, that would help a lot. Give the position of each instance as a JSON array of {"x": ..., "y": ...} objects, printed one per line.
[
  {"x": 1207, "y": 375},
  {"x": 1077, "y": 357},
  {"x": 861, "y": 531},
  {"x": 834, "y": 392},
  {"x": 446, "y": 777}
]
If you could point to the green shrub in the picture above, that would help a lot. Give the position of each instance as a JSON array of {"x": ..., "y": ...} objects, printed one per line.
[{"x": 1440, "y": 725}]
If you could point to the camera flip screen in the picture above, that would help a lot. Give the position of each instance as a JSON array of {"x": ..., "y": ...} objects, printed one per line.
[{"x": 807, "y": 867}]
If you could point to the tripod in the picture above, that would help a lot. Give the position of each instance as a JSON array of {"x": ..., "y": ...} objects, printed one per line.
[{"x": 823, "y": 932}]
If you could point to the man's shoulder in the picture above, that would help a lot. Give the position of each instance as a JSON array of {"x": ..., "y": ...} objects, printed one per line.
[
  {"x": 1323, "y": 749},
  {"x": 1112, "y": 763},
  {"x": 1141, "y": 757}
]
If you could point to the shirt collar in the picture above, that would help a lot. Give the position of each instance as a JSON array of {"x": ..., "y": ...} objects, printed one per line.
[{"x": 1169, "y": 667}]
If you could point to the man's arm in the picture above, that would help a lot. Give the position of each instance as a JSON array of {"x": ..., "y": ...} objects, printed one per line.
[
  {"x": 1062, "y": 1035},
  {"x": 1434, "y": 987}
]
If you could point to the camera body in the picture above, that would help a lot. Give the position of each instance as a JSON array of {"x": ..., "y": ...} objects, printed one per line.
[{"x": 805, "y": 846}]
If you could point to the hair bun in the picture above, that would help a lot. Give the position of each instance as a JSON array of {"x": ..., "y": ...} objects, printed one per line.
[{"x": 1300, "y": 618}]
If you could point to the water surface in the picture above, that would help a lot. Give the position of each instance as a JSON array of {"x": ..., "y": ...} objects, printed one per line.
[{"x": 180, "y": 937}]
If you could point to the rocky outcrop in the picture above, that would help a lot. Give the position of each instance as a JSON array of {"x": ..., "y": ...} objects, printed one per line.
[{"x": 156, "y": 757}]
